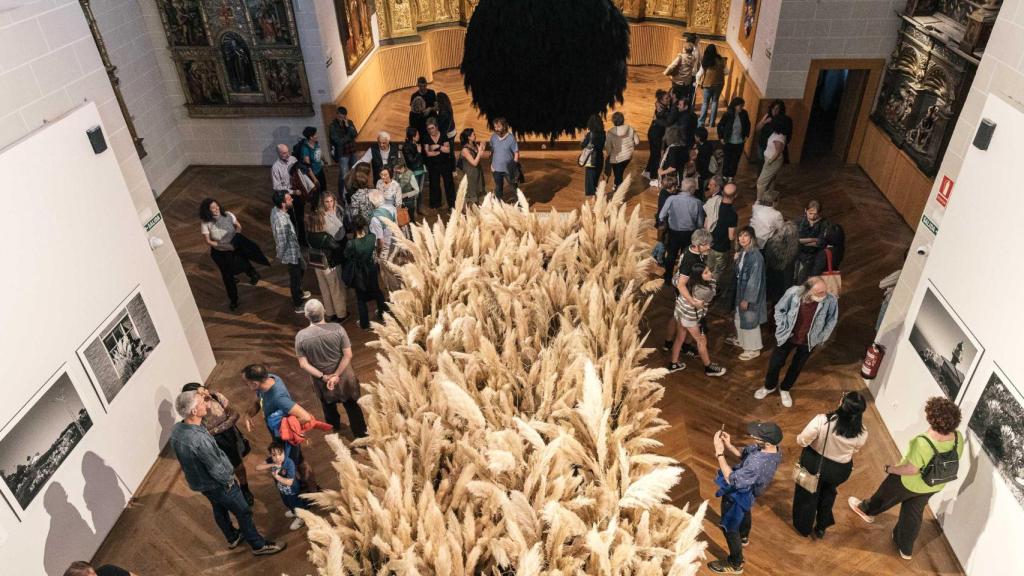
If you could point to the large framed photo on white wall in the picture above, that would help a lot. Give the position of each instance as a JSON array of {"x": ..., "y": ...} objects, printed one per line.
[
  {"x": 118, "y": 349},
  {"x": 944, "y": 343},
  {"x": 998, "y": 424},
  {"x": 35, "y": 443}
]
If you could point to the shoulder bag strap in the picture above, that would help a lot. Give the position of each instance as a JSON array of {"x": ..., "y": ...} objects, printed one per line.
[{"x": 821, "y": 460}]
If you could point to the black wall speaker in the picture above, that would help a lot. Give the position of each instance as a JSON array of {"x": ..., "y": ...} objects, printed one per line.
[
  {"x": 99, "y": 143},
  {"x": 983, "y": 137}
]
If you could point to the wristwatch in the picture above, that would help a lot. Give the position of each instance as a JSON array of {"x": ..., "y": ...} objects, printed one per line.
[
  {"x": 886, "y": 468},
  {"x": 720, "y": 455}
]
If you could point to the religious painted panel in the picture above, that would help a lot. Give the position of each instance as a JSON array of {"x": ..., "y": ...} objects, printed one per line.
[
  {"x": 271, "y": 21},
  {"x": 185, "y": 23},
  {"x": 237, "y": 57},
  {"x": 356, "y": 31},
  {"x": 923, "y": 92}
]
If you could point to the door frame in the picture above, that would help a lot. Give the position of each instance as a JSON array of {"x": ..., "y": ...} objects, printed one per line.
[{"x": 874, "y": 66}]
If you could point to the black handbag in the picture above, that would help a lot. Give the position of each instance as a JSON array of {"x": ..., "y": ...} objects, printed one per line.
[{"x": 244, "y": 447}]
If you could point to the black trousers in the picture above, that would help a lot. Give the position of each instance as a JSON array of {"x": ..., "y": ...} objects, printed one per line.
[
  {"x": 619, "y": 171},
  {"x": 592, "y": 176},
  {"x": 731, "y": 163},
  {"x": 438, "y": 172},
  {"x": 684, "y": 92},
  {"x": 298, "y": 215},
  {"x": 654, "y": 137},
  {"x": 890, "y": 493},
  {"x": 676, "y": 242},
  {"x": 355, "y": 416},
  {"x": 735, "y": 539},
  {"x": 364, "y": 296},
  {"x": 778, "y": 360},
  {"x": 814, "y": 511},
  {"x": 228, "y": 262},
  {"x": 295, "y": 273}
]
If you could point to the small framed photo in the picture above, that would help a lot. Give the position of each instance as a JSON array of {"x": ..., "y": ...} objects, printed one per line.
[{"x": 118, "y": 349}]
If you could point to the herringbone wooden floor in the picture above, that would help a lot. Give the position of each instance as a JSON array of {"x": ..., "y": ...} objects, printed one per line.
[{"x": 169, "y": 530}]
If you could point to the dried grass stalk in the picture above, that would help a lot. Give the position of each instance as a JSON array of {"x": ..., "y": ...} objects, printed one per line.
[{"x": 511, "y": 418}]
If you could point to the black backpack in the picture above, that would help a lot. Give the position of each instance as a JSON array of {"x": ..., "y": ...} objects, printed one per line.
[{"x": 943, "y": 466}]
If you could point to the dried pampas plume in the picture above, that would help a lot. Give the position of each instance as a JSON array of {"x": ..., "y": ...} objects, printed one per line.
[{"x": 511, "y": 416}]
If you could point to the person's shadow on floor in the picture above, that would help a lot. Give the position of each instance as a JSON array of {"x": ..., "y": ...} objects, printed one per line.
[{"x": 69, "y": 534}]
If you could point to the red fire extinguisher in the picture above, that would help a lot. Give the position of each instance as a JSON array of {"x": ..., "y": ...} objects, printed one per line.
[{"x": 872, "y": 360}]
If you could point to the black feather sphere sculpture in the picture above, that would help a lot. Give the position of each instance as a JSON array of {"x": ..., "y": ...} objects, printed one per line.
[{"x": 545, "y": 65}]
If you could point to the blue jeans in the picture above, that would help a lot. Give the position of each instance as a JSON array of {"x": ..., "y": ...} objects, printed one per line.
[
  {"x": 292, "y": 501},
  {"x": 344, "y": 165},
  {"x": 499, "y": 184},
  {"x": 710, "y": 103},
  {"x": 225, "y": 500}
]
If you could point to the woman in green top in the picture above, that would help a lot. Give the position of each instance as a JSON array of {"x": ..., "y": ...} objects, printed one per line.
[
  {"x": 361, "y": 272},
  {"x": 471, "y": 156},
  {"x": 904, "y": 485}
]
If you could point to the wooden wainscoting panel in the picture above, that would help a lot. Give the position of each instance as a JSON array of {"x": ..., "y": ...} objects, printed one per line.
[
  {"x": 402, "y": 64},
  {"x": 446, "y": 47},
  {"x": 876, "y": 157},
  {"x": 912, "y": 186},
  {"x": 653, "y": 44}
]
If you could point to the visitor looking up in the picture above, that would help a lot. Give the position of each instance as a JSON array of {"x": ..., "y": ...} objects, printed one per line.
[{"x": 209, "y": 472}]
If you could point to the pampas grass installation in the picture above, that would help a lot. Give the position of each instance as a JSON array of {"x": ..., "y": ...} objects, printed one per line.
[{"x": 512, "y": 418}]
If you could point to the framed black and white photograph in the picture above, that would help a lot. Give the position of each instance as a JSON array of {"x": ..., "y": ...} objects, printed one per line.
[
  {"x": 35, "y": 443},
  {"x": 119, "y": 348},
  {"x": 944, "y": 343},
  {"x": 998, "y": 421}
]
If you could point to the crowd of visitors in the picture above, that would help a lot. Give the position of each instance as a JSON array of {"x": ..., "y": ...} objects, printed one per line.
[{"x": 764, "y": 270}]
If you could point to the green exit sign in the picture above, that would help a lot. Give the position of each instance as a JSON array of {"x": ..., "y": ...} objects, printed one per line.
[
  {"x": 153, "y": 222},
  {"x": 929, "y": 224}
]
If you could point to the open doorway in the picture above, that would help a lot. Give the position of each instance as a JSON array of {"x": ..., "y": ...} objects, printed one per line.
[{"x": 833, "y": 114}]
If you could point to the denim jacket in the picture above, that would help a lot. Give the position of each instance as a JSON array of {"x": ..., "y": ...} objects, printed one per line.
[
  {"x": 786, "y": 311},
  {"x": 204, "y": 464}
]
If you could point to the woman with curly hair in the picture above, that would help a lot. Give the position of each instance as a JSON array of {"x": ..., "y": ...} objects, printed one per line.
[
  {"x": 905, "y": 484},
  {"x": 219, "y": 228}
]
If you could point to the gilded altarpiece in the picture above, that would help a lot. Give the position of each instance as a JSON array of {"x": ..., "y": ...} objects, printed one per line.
[
  {"x": 403, "y": 19},
  {"x": 929, "y": 75},
  {"x": 237, "y": 57}
]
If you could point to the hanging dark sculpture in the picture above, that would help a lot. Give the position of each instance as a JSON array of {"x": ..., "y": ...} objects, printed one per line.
[{"x": 545, "y": 65}]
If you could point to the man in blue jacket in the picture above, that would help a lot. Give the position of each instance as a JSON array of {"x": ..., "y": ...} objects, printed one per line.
[{"x": 804, "y": 318}]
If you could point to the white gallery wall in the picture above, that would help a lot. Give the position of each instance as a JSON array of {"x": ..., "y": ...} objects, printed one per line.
[
  {"x": 758, "y": 65},
  {"x": 49, "y": 65},
  {"x": 974, "y": 265},
  {"x": 71, "y": 264}
]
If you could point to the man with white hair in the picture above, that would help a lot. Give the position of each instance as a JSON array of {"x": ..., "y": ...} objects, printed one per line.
[
  {"x": 378, "y": 227},
  {"x": 208, "y": 471},
  {"x": 804, "y": 319},
  {"x": 682, "y": 213},
  {"x": 281, "y": 180},
  {"x": 325, "y": 353},
  {"x": 383, "y": 155}
]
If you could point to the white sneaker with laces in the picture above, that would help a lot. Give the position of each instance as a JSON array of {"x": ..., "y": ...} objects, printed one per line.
[
  {"x": 787, "y": 399},
  {"x": 749, "y": 355},
  {"x": 296, "y": 524},
  {"x": 762, "y": 392}
]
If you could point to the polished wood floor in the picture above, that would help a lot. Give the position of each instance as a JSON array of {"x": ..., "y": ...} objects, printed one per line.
[
  {"x": 168, "y": 530},
  {"x": 392, "y": 114}
]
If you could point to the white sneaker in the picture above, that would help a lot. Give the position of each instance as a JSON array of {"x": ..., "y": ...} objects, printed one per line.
[
  {"x": 787, "y": 399},
  {"x": 306, "y": 294},
  {"x": 296, "y": 524},
  {"x": 289, "y": 514},
  {"x": 749, "y": 355},
  {"x": 762, "y": 392},
  {"x": 653, "y": 183}
]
